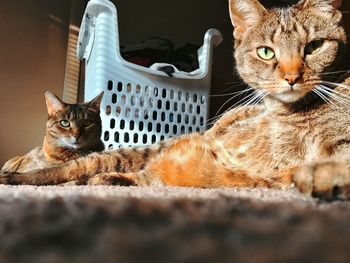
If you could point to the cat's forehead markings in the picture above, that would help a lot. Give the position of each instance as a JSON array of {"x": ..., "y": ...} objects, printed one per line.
[{"x": 285, "y": 17}]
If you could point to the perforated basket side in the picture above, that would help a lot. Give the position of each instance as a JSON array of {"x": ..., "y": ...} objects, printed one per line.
[{"x": 141, "y": 114}]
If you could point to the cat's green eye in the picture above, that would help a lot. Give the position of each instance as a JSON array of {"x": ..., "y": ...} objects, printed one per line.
[
  {"x": 64, "y": 123},
  {"x": 266, "y": 53},
  {"x": 87, "y": 123},
  {"x": 313, "y": 46}
]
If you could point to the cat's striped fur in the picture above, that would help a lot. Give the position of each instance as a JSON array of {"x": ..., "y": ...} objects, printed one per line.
[
  {"x": 62, "y": 144},
  {"x": 295, "y": 59}
]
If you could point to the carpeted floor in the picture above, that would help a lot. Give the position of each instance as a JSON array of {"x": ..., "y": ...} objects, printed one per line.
[{"x": 135, "y": 224}]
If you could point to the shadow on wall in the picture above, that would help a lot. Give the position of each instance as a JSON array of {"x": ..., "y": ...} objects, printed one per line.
[{"x": 32, "y": 54}]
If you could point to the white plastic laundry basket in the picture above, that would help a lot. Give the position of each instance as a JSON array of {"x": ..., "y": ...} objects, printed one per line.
[{"x": 140, "y": 105}]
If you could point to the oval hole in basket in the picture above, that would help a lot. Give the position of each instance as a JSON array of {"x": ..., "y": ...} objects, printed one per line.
[
  {"x": 155, "y": 114},
  {"x": 179, "y": 118},
  {"x": 171, "y": 117},
  {"x": 132, "y": 125},
  {"x": 136, "y": 138},
  {"x": 167, "y": 128},
  {"x": 167, "y": 105},
  {"x": 128, "y": 88},
  {"x": 201, "y": 121},
  {"x": 190, "y": 108},
  {"x": 198, "y": 109},
  {"x": 195, "y": 98},
  {"x": 155, "y": 92},
  {"x": 141, "y": 126},
  {"x": 175, "y": 129},
  {"x": 138, "y": 89},
  {"x": 114, "y": 98},
  {"x": 126, "y": 137},
  {"x": 147, "y": 90},
  {"x": 112, "y": 123},
  {"x": 146, "y": 115},
  {"x": 142, "y": 102},
  {"x": 133, "y": 101},
  {"x": 187, "y": 119},
  {"x": 149, "y": 127},
  {"x": 194, "y": 120},
  {"x": 120, "y": 87},
  {"x": 162, "y": 116},
  {"x": 164, "y": 93},
  {"x": 172, "y": 94},
  {"x": 159, "y": 104},
  {"x": 106, "y": 136},
  {"x": 110, "y": 85},
  {"x": 108, "y": 110},
  {"x": 137, "y": 113},
  {"x": 159, "y": 127},
  {"x": 118, "y": 111},
  {"x": 127, "y": 112},
  {"x": 144, "y": 138},
  {"x": 154, "y": 138},
  {"x": 116, "y": 136},
  {"x": 122, "y": 124}
]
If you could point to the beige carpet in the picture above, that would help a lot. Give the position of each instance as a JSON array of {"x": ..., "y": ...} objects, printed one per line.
[{"x": 135, "y": 224}]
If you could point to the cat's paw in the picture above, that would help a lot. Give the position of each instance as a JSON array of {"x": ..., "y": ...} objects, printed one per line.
[
  {"x": 109, "y": 179},
  {"x": 328, "y": 180},
  {"x": 5, "y": 178}
]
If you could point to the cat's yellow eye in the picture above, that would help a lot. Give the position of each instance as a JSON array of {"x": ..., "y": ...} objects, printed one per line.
[
  {"x": 87, "y": 123},
  {"x": 64, "y": 123},
  {"x": 313, "y": 46},
  {"x": 266, "y": 53}
]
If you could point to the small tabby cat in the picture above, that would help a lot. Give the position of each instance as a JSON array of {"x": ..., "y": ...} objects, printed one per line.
[
  {"x": 72, "y": 130},
  {"x": 295, "y": 59}
]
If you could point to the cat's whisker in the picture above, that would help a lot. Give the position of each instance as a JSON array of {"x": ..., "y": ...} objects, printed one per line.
[
  {"x": 331, "y": 95},
  {"x": 320, "y": 92},
  {"x": 336, "y": 84},
  {"x": 228, "y": 94},
  {"x": 216, "y": 116},
  {"x": 334, "y": 72},
  {"x": 334, "y": 92}
]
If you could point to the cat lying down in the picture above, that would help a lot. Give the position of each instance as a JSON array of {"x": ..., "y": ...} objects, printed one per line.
[
  {"x": 295, "y": 59},
  {"x": 72, "y": 131}
]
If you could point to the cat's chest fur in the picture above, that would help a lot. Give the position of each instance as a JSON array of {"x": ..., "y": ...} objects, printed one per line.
[{"x": 265, "y": 141}]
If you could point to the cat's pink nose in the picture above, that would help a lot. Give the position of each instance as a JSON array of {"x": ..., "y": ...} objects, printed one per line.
[{"x": 292, "y": 78}]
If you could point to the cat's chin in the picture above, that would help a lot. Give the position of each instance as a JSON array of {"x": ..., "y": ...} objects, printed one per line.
[{"x": 288, "y": 96}]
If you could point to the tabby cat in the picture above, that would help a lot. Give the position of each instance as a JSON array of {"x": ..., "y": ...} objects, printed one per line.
[
  {"x": 72, "y": 130},
  {"x": 295, "y": 59}
]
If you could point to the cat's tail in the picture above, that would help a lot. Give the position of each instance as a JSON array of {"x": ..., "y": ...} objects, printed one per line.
[{"x": 123, "y": 160}]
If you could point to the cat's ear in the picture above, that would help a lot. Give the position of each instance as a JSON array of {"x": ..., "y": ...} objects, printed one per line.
[
  {"x": 326, "y": 6},
  {"x": 95, "y": 103},
  {"x": 53, "y": 103},
  {"x": 245, "y": 14}
]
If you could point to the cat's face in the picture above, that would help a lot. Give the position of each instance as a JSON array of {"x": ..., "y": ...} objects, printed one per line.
[
  {"x": 74, "y": 126},
  {"x": 286, "y": 52}
]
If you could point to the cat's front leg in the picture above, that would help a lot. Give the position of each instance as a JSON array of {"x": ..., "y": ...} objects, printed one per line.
[{"x": 328, "y": 179}]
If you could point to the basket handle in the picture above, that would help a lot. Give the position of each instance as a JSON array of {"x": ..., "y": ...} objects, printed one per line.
[{"x": 86, "y": 32}]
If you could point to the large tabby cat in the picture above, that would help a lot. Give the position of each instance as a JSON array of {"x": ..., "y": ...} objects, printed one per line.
[
  {"x": 295, "y": 60},
  {"x": 72, "y": 131}
]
